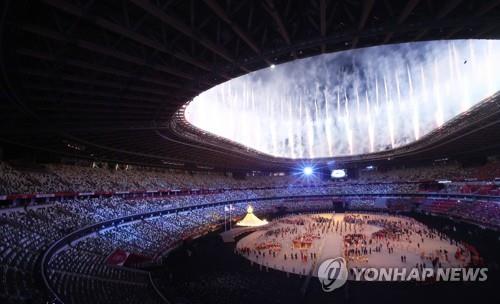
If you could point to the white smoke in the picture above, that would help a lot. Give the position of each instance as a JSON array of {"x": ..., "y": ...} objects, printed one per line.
[{"x": 351, "y": 102}]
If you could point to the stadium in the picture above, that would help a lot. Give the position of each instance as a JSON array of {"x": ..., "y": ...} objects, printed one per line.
[{"x": 268, "y": 151}]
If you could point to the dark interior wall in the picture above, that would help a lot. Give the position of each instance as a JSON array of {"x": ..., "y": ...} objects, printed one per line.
[
  {"x": 19, "y": 154},
  {"x": 239, "y": 175},
  {"x": 473, "y": 161}
]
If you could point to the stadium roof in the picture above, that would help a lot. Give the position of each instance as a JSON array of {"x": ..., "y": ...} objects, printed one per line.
[{"x": 108, "y": 79}]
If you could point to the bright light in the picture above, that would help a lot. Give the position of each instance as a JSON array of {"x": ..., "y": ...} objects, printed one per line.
[
  {"x": 338, "y": 173},
  {"x": 250, "y": 220},
  {"x": 352, "y": 102},
  {"x": 308, "y": 170}
]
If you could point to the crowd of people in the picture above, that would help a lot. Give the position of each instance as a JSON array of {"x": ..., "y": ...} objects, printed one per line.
[
  {"x": 72, "y": 178},
  {"x": 483, "y": 213},
  {"x": 27, "y": 231},
  {"x": 294, "y": 244},
  {"x": 58, "y": 178},
  {"x": 406, "y": 235},
  {"x": 425, "y": 173}
]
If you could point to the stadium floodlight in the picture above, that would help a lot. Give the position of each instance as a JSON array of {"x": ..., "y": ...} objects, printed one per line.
[{"x": 308, "y": 171}]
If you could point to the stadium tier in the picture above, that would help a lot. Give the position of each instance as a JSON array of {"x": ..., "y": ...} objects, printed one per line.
[
  {"x": 250, "y": 151},
  {"x": 94, "y": 247}
]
